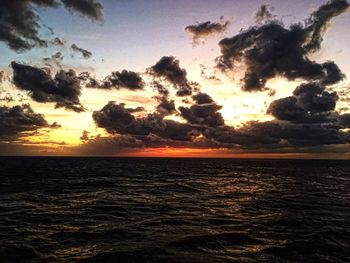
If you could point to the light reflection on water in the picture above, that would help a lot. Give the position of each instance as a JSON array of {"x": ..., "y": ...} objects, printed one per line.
[{"x": 173, "y": 210}]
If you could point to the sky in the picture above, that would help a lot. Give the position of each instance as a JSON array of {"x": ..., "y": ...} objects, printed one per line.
[{"x": 225, "y": 78}]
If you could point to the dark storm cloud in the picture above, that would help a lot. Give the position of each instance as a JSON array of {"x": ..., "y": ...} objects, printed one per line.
[
  {"x": 271, "y": 50},
  {"x": 85, "y": 53},
  {"x": 202, "y": 31},
  {"x": 117, "y": 119},
  {"x": 18, "y": 119},
  {"x": 64, "y": 88},
  {"x": 168, "y": 68},
  {"x": 309, "y": 103},
  {"x": 20, "y": 24},
  {"x": 264, "y": 13}
]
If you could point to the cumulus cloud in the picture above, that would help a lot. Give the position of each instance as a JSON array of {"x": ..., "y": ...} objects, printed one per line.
[
  {"x": 168, "y": 68},
  {"x": 303, "y": 121},
  {"x": 306, "y": 119},
  {"x": 20, "y": 24},
  {"x": 200, "y": 32},
  {"x": 63, "y": 89},
  {"x": 310, "y": 103},
  {"x": 204, "y": 112},
  {"x": 18, "y": 119},
  {"x": 271, "y": 50},
  {"x": 117, "y": 119}
]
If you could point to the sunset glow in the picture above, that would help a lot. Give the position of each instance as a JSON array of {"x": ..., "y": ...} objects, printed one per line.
[{"x": 169, "y": 85}]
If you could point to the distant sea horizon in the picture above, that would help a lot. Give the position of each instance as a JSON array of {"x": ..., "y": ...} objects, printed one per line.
[{"x": 178, "y": 157}]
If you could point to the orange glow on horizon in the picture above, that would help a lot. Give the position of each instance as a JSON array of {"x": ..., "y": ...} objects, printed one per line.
[{"x": 170, "y": 152}]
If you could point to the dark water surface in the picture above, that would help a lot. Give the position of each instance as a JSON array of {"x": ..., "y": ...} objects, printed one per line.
[{"x": 173, "y": 210}]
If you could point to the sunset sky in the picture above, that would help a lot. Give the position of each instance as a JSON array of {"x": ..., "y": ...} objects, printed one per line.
[{"x": 224, "y": 78}]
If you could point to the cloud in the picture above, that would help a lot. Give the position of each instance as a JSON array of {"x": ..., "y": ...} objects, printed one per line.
[
  {"x": 64, "y": 88},
  {"x": 309, "y": 103},
  {"x": 89, "y": 8},
  {"x": 18, "y": 119},
  {"x": 58, "y": 41},
  {"x": 202, "y": 31},
  {"x": 2, "y": 76},
  {"x": 85, "y": 53},
  {"x": 85, "y": 137},
  {"x": 56, "y": 58},
  {"x": 271, "y": 50},
  {"x": 204, "y": 112},
  {"x": 20, "y": 24},
  {"x": 166, "y": 107},
  {"x": 162, "y": 91},
  {"x": 168, "y": 68},
  {"x": 107, "y": 146},
  {"x": 264, "y": 13},
  {"x": 125, "y": 79},
  {"x": 117, "y": 119},
  {"x": 304, "y": 121},
  {"x": 7, "y": 98}
]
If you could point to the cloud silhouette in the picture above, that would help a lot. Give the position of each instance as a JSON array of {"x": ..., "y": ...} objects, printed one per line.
[
  {"x": 18, "y": 119},
  {"x": 64, "y": 88},
  {"x": 117, "y": 119},
  {"x": 89, "y": 8},
  {"x": 117, "y": 79},
  {"x": 309, "y": 103},
  {"x": 204, "y": 112},
  {"x": 202, "y": 31},
  {"x": 20, "y": 24},
  {"x": 168, "y": 68},
  {"x": 264, "y": 13},
  {"x": 85, "y": 53},
  {"x": 271, "y": 50}
]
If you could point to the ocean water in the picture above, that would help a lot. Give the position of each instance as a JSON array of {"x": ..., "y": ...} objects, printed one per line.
[{"x": 173, "y": 210}]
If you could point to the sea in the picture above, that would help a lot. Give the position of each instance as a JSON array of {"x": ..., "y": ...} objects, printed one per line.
[{"x": 173, "y": 210}]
